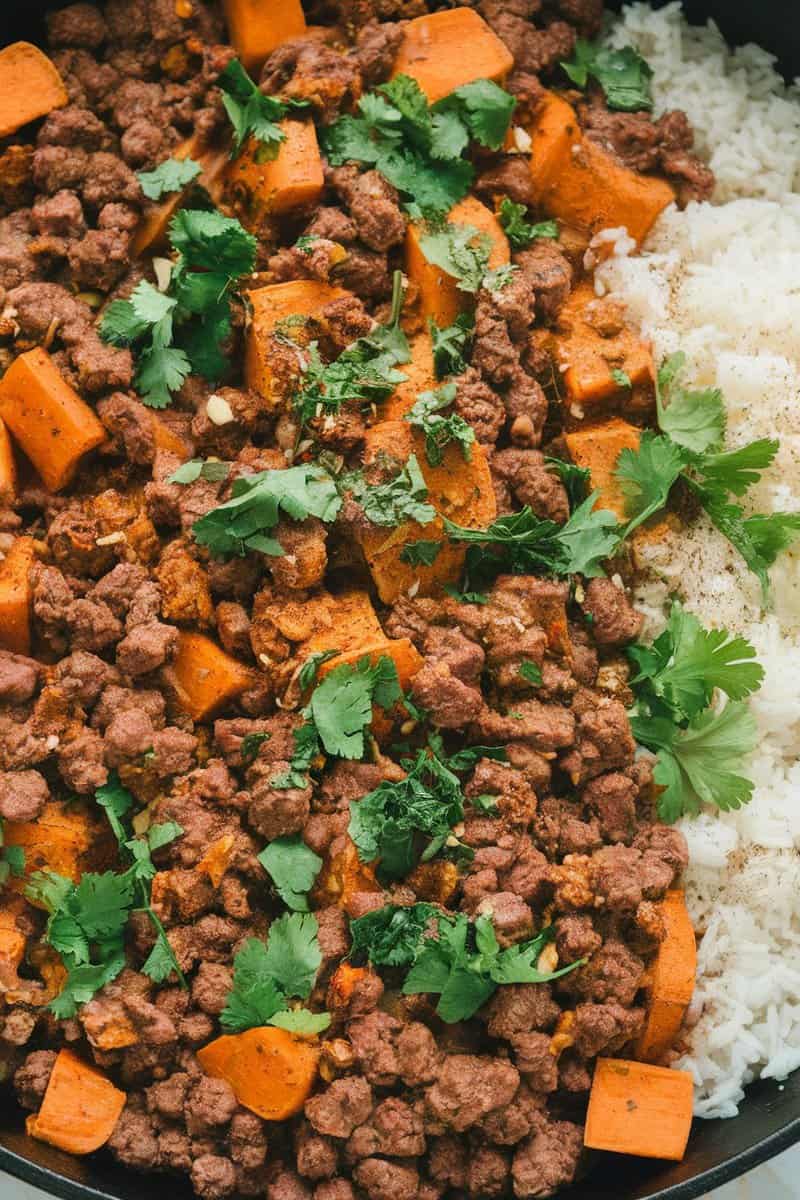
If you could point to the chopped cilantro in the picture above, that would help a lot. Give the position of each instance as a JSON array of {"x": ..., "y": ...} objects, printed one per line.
[
  {"x": 451, "y": 345},
  {"x": 531, "y": 673},
  {"x": 265, "y": 977},
  {"x": 575, "y": 479},
  {"x": 461, "y": 251},
  {"x": 198, "y": 468},
  {"x": 251, "y": 744},
  {"x": 421, "y": 553},
  {"x": 171, "y": 175},
  {"x": 293, "y": 866},
  {"x": 12, "y": 860},
  {"x": 518, "y": 230},
  {"x": 251, "y": 113},
  {"x": 623, "y": 74},
  {"x": 390, "y": 936},
  {"x": 692, "y": 420},
  {"x": 417, "y": 148},
  {"x": 244, "y": 522},
  {"x": 439, "y": 430},
  {"x": 388, "y": 823},
  {"x": 311, "y": 666},
  {"x": 181, "y": 331},
  {"x": 621, "y": 378},
  {"x": 402, "y": 498},
  {"x": 464, "y": 965}
]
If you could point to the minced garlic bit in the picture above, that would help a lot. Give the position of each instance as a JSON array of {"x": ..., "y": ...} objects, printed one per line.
[
  {"x": 218, "y": 410},
  {"x": 522, "y": 139},
  {"x": 111, "y": 539},
  {"x": 162, "y": 269}
]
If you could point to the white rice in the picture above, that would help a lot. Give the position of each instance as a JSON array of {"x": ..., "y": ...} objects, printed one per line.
[{"x": 721, "y": 282}]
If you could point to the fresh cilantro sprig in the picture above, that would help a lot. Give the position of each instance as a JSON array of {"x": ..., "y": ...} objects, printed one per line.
[
  {"x": 401, "y": 498},
  {"x": 293, "y": 866},
  {"x": 181, "y": 330},
  {"x": 451, "y": 345},
  {"x": 390, "y": 936},
  {"x": 87, "y": 920},
  {"x": 689, "y": 447},
  {"x": 338, "y": 714},
  {"x": 267, "y": 976},
  {"x": 171, "y": 175},
  {"x": 519, "y": 231},
  {"x": 245, "y": 522},
  {"x": 409, "y": 821},
  {"x": 463, "y": 252},
  {"x": 439, "y": 430},
  {"x": 523, "y": 543},
  {"x": 461, "y": 961},
  {"x": 623, "y": 74},
  {"x": 419, "y": 148},
  {"x": 701, "y": 748},
  {"x": 365, "y": 373},
  {"x": 251, "y": 113}
]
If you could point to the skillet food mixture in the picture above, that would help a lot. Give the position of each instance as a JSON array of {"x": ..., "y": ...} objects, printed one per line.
[{"x": 338, "y": 781}]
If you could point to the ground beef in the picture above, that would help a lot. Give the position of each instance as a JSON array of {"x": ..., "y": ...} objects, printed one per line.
[
  {"x": 469, "y": 1087},
  {"x": 614, "y": 620},
  {"x": 32, "y": 1078},
  {"x": 548, "y": 1160}
]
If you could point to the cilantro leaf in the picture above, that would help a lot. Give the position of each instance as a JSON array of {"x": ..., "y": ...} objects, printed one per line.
[
  {"x": 647, "y": 475},
  {"x": 421, "y": 553},
  {"x": 386, "y": 824},
  {"x": 293, "y": 954},
  {"x": 426, "y": 415},
  {"x": 589, "y": 536},
  {"x": 117, "y": 801},
  {"x": 160, "y": 372},
  {"x": 341, "y": 705},
  {"x": 621, "y": 378},
  {"x": 256, "y": 503},
  {"x": 519, "y": 231},
  {"x": 402, "y": 498},
  {"x": 293, "y": 866},
  {"x": 390, "y": 936},
  {"x": 461, "y": 251},
  {"x": 623, "y": 74},
  {"x": 171, "y": 175},
  {"x": 451, "y": 345},
  {"x": 734, "y": 471},
  {"x": 309, "y": 669},
  {"x": 575, "y": 479},
  {"x": 251, "y": 113},
  {"x": 301, "y": 1020},
  {"x": 531, "y": 673},
  {"x": 483, "y": 108},
  {"x": 265, "y": 976},
  {"x": 197, "y": 468},
  {"x": 693, "y": 420},
  {"x": 700, "y": 764},
  {"x": 209, "y": 241}
]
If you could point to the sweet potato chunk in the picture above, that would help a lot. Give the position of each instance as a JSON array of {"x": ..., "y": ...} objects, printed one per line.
[
  {"x": 635, "y": 1108},
  {"x": 270, "y": 1070},
  {"x": 671, "y": 980},
  {"x": 459, "y": 490},
  {"x": 205, "y": 677},
  {"x": 598, "y": 447},
  {"x": 290, "y": 182},
  {"x": 271, "y": 305},
  {"x": 8, "y": 466},
  {"x": 439, "y": 297},
  {"x": 80, "y": 1108},
  {"x": 447, "y": 49},
  {"x": 30, "y": 86},
  {"x": 419, "y": 378},
  {"x": 256, "y": 27},
  {"x": 344, "y": 876},
  {"x": 64, "y": 839},
  {"x": 47, "y": 417},
  {"x": 581, "y": 184},
  {"x": 589, "y": 361},
  {"x": 16, "y": 596}
]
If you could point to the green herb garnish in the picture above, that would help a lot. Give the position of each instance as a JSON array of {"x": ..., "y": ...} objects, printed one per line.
[
  {"x": 251, "y": 113},
  {"x": 519, "y": 231},
  {"x": 171, "y": 175},
  {"x": 293, "y": 866},
  {"x": 623, "y": 74},
  {"x": 439, "y": 431}
]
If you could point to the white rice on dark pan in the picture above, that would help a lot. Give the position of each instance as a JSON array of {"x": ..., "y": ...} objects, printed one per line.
[{"x": 721, "y": 281}]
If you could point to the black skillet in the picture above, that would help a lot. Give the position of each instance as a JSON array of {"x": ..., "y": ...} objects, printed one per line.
[{"x": 769, "y": 1119}]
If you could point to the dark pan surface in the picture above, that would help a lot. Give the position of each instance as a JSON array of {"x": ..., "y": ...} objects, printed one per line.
[{"x": 769, "y": 1120}]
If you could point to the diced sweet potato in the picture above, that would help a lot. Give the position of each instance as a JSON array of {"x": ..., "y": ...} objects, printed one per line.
[
  {"x": 217, "y": 859},
  {"x": 16, "y": 596},
  {"x": 581, "y": 184},
  {"x": 671, "y": 980},
  {"x": 271, "y": 305},
  {"x": 290, "y": 182},
  {"x": 344, "y": 876},
  {"x": 588, "y": 360},
  {"x": 459, "y": 490},
  {"x": 8, "y": 467},
  {"x": 167, "y": 439},
  {"x": 12, "y": 941},
  {"x": 64, "y": 839},
  {"x": 447, "y": 49},
  {"x": 439, "y": 297},
  {"x": 154, "y": 226},
  {"x": 47, "y": 417},
  {"x": 350, "y": 623},
  {"x": 81, "y": 1106},
  {"x": 256, "y": 27},
  {"x": 30, "y": 86},
  {"x": 270, "y": 1070},
  {"x": 205, "y": 677},
  {"x": 598, "y": 447},
  {"x": 419, "y": 378},
  {"x": 635, "y": 1108}
]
